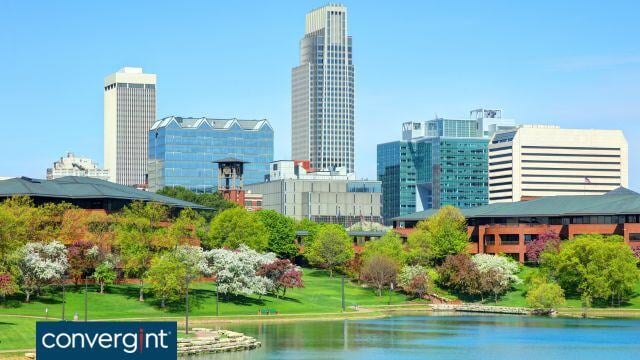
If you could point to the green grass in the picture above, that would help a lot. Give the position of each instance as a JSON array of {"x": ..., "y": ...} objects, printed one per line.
[{"x": 321, "y": 294}]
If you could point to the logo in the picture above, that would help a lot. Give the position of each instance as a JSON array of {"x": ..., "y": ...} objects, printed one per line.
[{"x": 106, "y": 340}]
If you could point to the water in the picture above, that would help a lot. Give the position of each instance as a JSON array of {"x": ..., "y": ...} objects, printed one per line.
[{"x": 444, "y": 337}]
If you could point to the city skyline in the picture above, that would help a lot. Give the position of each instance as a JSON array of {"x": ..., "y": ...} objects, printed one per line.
[{"x": 528, "y": 72}]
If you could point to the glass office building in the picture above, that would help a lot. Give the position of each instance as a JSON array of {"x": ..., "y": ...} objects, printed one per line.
[
  {"x": 447, "y": 164},
  {"x": 182, "y": 151}
]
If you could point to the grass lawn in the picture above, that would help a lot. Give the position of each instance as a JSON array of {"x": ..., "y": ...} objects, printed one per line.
[{"x": 321, "y": 294}]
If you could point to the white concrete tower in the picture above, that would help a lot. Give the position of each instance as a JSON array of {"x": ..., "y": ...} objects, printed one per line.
[{"x": 129, "y": 112}]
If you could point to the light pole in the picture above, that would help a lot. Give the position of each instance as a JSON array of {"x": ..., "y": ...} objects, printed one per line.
[
  {"x": 186, "y": 328},
  {"x": 390, "y": 289},
  {"x": 343, "y": 303},
  {"x": 86, "y": 299},
  {"x": 63, "y": 299},
  {"x": 217, "y": 299}
]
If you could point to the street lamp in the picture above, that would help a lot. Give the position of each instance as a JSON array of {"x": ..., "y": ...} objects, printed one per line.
[
  {"x": 186, "y": 329},
  {"x": 390, "y": 290},
  {"x": 343, "y": 302},
  {"x": 64, "y": 278},
  {"x": 217, "y": 299},
  {"x": 86, "y": 299}
]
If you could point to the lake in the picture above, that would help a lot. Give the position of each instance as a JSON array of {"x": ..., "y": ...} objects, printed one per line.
[{"x": 444, "y": 337}]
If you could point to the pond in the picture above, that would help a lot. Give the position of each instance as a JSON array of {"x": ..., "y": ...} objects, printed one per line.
[{"x": 444, "y": 337}]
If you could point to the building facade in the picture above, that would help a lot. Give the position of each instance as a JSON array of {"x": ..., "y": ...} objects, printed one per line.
[
  {"x": 327, "y": 196},
  {"x": 438, "y": 162},
  {"x": 322, "y": 103},
  {"x": 70, "y": 165},
  {"x": 129, "y": 112},
  {"x": 536, "y": 160},
  {"x": 182, "y": 151},
  {"x": 507, "y": 228}
]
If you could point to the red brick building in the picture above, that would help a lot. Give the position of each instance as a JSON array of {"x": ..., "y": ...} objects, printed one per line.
[{"x": 508, "y": 227}]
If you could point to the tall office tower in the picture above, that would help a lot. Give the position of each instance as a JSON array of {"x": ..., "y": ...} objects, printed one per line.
[
  {"x": 438, "y": 162},
  {"x": 322, "y": 92},
  {"x": 539, "y": 160},
  {"x": 129, "y": 112}
]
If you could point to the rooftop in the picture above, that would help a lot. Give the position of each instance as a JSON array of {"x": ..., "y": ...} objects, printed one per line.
[
  {"x": 620, "y": 201},
  {"x": 76, "y": 187},
  {"x": 217, "y": 124}
]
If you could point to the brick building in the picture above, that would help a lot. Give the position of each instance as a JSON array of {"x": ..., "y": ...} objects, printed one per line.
[{"x": 508, "y": 227}]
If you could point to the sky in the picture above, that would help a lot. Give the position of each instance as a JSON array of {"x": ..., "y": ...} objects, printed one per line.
[{"x": 575, "y": 64}]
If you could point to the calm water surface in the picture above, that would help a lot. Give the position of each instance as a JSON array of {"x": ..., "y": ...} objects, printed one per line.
[{"x": 445, "y": 337}]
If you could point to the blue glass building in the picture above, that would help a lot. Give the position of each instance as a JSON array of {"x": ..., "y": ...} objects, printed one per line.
[
  {"x": 444, "y": 163},
  {"x": 182, "y": 151}
]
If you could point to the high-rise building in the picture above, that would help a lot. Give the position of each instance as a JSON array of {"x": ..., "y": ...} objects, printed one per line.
[
  {"x": 295, "y": 190},
  {"x": 129, "y": 112},
  {"x": 182, "y": 151},
  {"x": 322, "y": 96},
  {"x": 438, "y": 162},
  {"x": 71, "y": 165},
  {"x": 539, "y": 160}
]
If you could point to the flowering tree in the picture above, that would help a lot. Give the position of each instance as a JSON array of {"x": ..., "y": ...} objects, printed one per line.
[
  {"x": 235, "y": 270},
  {"x": 536, "y": 247},
  {"x": 41, "y": 264},
  {"x": 82, "y": 256},
  {"x": 7, "y": 285},
  {"x": 283, "y": 274},
  {"x": 460, "y": 274},
  {"x": 414, "y": 280},
  {"x": 497, "y": 274}
]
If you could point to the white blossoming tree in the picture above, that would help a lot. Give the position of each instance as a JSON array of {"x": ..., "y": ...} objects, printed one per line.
[
  {"x": 498, "y": 273},
  {"x": 41, "y": 264},
  {"x": 235, "y": 270}
]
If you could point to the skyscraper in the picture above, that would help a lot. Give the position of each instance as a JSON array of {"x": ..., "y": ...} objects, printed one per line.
[
  {"x": 322, "y": 96},
  {"x": 129, "y": 112}
]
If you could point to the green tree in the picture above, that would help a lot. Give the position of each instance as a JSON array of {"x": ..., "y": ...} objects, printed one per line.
[
  {"x": 104, "y": 274},
  {"x": 545, "y": 296},
  {"x": 214, "y": 201},
  {"x": 282, "y": 233},
  {"x": 596, "y": 267},
  {"x": 310, "y": 227},
  {"x": 331, "y": 248},
  {"x": 389, "y": 245},
  {"x": 234, "y": 227},
  {"x": 443, "y": 233},
  {"x": 184, "y": 229},
  {"x": 167, "y": 278}
]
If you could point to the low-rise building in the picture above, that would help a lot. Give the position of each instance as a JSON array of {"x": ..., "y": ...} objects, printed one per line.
[
  {"x": 507, "y": 228},
  {"x": 295, "y": 190},
  {"x": 71, "y": 165}
]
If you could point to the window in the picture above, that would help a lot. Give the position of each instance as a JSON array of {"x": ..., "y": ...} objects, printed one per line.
[
  {"x": 490, "y": 239},
  {"x": 509, "y": 239},
  {"x": 634, "y": 237},
  {"x": 530, "y": 237}
]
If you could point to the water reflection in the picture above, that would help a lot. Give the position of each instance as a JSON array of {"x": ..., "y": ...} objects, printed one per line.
[{"x": 444, "y": 337}]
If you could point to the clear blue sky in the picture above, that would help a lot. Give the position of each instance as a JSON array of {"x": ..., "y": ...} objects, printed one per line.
[{"x": 570, "y": 63}]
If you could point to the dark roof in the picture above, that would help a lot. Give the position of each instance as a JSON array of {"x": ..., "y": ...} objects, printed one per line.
[
  {"x": 76, "y": 187},
  {"x": 620, "y": 201},
  {"x": 350, "y": 233}
]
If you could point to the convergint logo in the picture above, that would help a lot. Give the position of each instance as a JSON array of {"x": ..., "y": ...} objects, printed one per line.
[{"x": 106, "y": 340}]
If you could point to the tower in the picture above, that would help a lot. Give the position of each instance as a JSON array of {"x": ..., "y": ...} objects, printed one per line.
[
  {"x": 322, "y": 90},
  {"x": 230, "y": 180},
  {"x": 129, "y": 112}
]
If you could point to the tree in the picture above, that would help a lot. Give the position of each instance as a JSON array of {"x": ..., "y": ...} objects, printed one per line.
[
  {"x": 214, "y": 201},
  {"x": 331, "y": 248},
  {"x": 537, "y": 246},
  {"x": 82, "y": 256},
  {"x": 443, "y": 233},
  {"x": 545, "y": 296},
  {"x": 234, "y": 227},
  {"x": 167, "y": 278},
  {"x": 419, "y": 248},
  {"x": 414, "y": 280},
  {"x": 105, "y": 274},
  {"x": 594, "y": 266},
  {"x": 7, "y": 286},
  {"x": 497, "y": 274},
  {"x": 139, "y": 235},
  {"x": 380, "y": 271},
  {"x": 389, "y": 245},
  {"x": 184, "y": 229},
  {"x": 235, "y": 270},
  {"x": 40, "y": 264},
  {"x": 311, "y": 228},
  {"x": 282, "y": 233},
  {"x": 460, "y": 274},
  {"x": 283, "y": 274}
]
